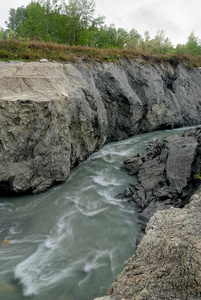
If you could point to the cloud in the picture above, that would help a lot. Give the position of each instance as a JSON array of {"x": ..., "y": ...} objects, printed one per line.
[{"x": 146, "y": 19}]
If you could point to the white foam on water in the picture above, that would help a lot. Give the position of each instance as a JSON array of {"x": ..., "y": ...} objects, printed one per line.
[
  {"x": 32, "y": 239},
  {"x": 91, "y": 213},
  {"x": 110, "y": 153},
  {"x": 95, "y": 260},
  {"x": 13, "y": 231},
  {"x": 109, "y": 199},
  {"x": 35, "y": 278},
  {"x": 88, "y": 207},
  {"x": 40, "y": 271},
  {"x": 108, "y": 177},
  {"x": 112, "y": 256},
  {"x": 103, "y": 182}
]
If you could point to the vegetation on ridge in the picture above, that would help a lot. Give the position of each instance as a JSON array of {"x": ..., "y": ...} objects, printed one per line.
[
  {"x": 59, "y": 31},
  {"x": 34, "y": 50}
]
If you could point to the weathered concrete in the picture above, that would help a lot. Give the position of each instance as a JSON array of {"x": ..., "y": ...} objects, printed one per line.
[{"x": 52, "y": 116}]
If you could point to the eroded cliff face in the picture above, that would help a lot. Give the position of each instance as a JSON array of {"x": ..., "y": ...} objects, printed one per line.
[{"x": 52, "y": 116}]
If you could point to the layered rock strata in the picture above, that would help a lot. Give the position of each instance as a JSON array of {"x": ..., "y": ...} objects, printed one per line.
[{"x": 52, "y": 116}]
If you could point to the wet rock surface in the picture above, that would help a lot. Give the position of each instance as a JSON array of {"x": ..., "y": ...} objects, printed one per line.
[
  {"x": 52, "y": 116},
  {"x": 166, "y": 173}
]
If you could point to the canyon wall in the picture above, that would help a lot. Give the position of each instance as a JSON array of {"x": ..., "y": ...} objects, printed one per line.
[{"x": 52, "y": 115}]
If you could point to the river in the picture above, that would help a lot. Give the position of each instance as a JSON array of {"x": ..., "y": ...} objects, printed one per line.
[{"x": 71, "y": 242}]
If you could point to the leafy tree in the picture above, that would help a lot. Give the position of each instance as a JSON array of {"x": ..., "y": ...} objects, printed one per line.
[
  {"x": 2, "y": 33},
  {"x": 16, "y": 18},
  {"x": 122, "y": 38},
  {"x": 134, "y": 40},
  {"x": 180, "y": 49},
  {"x": 193, "y": 45},
  {"x": 75, "y": 24},
  {"x": 106, "y": 37},
  {"x": 53, "y": 20},
  {"x": 161, "y": 44},
  {"x": 80, "y": 14},
  {"x": 34, "y": 26}
]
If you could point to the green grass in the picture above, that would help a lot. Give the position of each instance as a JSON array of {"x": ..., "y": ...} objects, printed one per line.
[{"x": 34, "y": 51}]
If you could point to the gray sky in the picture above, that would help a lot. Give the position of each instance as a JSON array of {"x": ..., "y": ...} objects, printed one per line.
[{"x": 176, "y": 17}]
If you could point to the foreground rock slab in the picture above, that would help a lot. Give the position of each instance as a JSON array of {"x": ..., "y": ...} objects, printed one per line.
[{"x": 167, "y": 263}]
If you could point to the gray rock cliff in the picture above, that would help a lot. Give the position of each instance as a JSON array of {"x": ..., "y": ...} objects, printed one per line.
[{"x": 52, "y": 116}]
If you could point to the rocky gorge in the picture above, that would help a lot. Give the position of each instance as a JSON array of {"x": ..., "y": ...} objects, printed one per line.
[{"x": 54, "y": 115}]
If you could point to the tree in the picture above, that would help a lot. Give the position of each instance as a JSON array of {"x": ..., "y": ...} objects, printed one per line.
[
  {"x": 122, "y": 38},
  {"x": 16, "y": 18},
  {"x": 2, "y": 33},
  {"x": 134, "y": 40},
  {"x": 34, "y": 26},
  {"x": 193, "y": 45},
  {"x": 54, "y": 20},
  {"x": 80, "y": 14},
  {"x": 161, "y": 44},
  {"x": 106, "y": 37}
]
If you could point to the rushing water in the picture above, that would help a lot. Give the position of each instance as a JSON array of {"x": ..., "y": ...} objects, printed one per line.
[{"x": 71, "y": 242}]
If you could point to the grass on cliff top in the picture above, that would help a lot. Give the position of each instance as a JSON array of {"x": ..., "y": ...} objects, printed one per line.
[{"x": 34, "y": 51}]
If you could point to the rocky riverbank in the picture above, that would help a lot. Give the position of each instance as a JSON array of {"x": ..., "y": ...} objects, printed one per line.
[
  {"x": 52, "y": 115},
  {"x": 166, "y": 173},
  {"x": 167, "y": 262}
]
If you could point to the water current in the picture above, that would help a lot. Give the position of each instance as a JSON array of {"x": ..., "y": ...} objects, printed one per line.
[{"x": 71, "y": 242}]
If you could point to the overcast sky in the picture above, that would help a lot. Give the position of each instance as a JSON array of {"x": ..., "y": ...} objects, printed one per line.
[{"x": 176, "y": 17}]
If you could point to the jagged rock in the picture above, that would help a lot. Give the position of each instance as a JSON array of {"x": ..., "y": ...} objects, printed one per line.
[
  {"x": 166, "y": 173},
  {"x": 167, "y": 263},
  {"x": 52, "y": 116}
]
